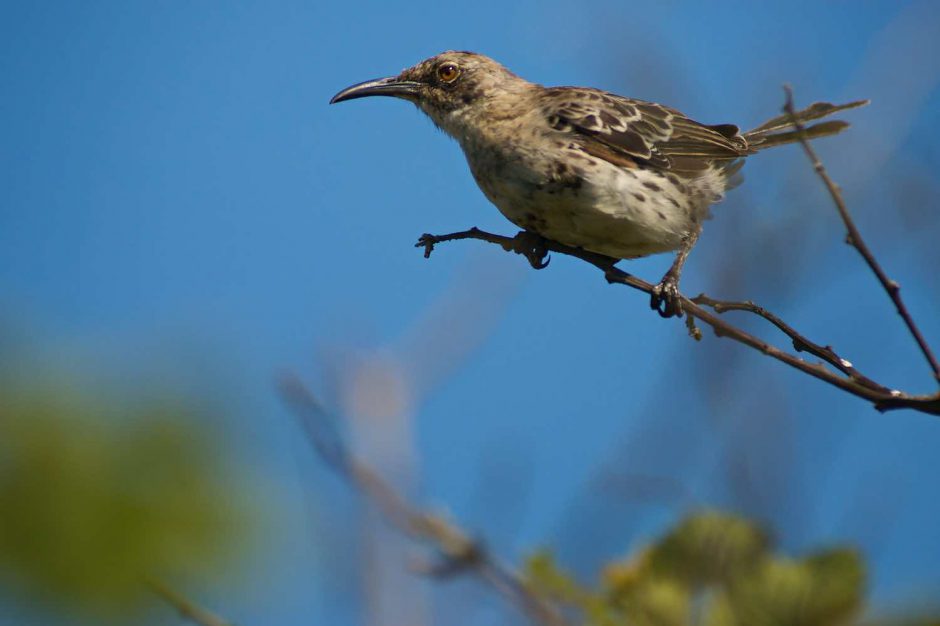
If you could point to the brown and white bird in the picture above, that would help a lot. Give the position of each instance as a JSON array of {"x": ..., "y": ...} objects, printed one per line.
[{"x": 587, "y": 168}]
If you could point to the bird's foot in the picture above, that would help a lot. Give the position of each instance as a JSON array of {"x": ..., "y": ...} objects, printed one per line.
[
  {"x": 532, "y": 246},
  {"x": 665, "y": 298}
]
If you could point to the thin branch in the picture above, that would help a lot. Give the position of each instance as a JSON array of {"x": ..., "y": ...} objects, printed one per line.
[
  {"x": 186, "y": 608},
  {"x": 854, "y": 237},
  {"x": 846, "y": 377},
  {"x": 800, "y": 343},
  {"x": 458, "y": 553}
]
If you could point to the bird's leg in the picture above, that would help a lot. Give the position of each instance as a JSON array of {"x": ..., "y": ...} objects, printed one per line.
[
  {"x": 665, "y": 296},
  {"x": 532, "y": 246}
]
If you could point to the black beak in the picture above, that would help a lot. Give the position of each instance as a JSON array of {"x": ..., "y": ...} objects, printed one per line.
[{"x": 390, "y": 86}]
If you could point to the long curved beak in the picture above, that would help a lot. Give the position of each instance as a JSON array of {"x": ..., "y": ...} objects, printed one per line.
[{"x": 390, "y": 86}]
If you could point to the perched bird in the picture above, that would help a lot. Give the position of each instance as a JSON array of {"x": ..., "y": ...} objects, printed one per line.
[{"x": 587, "y": 168}]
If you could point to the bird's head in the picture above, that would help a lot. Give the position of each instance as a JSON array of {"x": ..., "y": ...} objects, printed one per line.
[{"x": 443, "y": 85}]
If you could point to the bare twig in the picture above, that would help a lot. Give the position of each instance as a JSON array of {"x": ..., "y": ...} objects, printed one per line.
[
  {"x": 846, "y": 377},
  {"x": 854, "y": 237},
  {"x": 457, "y": 552},
  {"x": 185, "y": 607},
  {"x": 800, "y": 343}
]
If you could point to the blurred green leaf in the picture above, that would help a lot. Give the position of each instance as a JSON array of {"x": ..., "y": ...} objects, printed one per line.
[
  {"x": 707, "y": 548},
  {"x": 97, "y": 494},
  {"x": 826, "y": 588},
  {"x": 654, "y": 602},
  {"x": 839, "y": 589},
  {"x": 542, "y": 574},
  {"x": 544, "y": 577}
]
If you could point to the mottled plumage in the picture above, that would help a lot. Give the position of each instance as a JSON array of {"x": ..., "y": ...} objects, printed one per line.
[{"x": 584, "y": 167}]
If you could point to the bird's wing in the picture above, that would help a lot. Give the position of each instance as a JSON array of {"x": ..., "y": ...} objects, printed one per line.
[{"x": 621, "y": 130}]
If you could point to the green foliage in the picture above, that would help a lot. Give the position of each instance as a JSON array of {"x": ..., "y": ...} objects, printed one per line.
[
  {"x": 824, "y": 588},
  {"x": 716, "y": 569},
  {"x": 97, "y": 495},
  {"x": 709, "y": 548}
]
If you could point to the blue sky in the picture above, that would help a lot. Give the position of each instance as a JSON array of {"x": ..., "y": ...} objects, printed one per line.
[{"x": 180, "y": 206}]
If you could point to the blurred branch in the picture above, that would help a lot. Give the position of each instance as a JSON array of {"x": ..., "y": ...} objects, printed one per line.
[
  {"x": 846, "y": 377},
  {"x": 458, "y": 553},
  {"x": 854, "y": 237},
  {"x": 186, "y": 608}
]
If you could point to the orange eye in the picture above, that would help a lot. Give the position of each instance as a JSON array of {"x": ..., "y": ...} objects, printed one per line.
[{"x": 448, "y": 72}]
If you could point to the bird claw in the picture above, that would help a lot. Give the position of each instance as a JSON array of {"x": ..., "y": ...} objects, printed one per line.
[
  {"x": 539, "y": 262},
  {"x": 532, "y": 247},
  {"x": 665, "y": 299}
]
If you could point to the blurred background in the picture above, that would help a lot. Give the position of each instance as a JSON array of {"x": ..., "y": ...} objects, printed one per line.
[{"x": 183, "y": 219}]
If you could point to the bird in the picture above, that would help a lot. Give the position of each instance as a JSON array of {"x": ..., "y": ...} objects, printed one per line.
[{"x": 615, "y": 176}]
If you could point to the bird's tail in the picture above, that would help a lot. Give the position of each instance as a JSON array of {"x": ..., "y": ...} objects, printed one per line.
[{"x": 779, "y": 130}]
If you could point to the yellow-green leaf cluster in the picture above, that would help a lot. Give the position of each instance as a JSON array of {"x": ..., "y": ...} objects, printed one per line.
[{"x": 716, "y": 569}]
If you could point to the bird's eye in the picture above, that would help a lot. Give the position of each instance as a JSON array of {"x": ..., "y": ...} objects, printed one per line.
[{"x": 448, "y": 72}]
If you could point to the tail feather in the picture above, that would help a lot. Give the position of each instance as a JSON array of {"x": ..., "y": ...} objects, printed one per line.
[{"x": 779, "y": 130}]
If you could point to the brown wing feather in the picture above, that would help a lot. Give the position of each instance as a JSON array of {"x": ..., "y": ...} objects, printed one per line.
[{"x": 620, "y": 129}]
